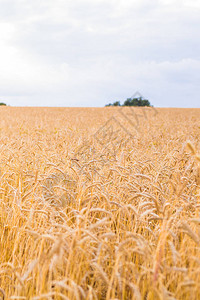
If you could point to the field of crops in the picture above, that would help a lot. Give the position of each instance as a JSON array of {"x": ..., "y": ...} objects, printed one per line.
[{"x": 99, "y": 203}]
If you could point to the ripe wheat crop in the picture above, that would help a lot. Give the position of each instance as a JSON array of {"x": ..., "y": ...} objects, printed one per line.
[{"x": 96, "y": 204}]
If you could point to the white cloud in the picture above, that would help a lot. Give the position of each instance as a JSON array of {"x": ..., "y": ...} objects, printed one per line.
[{"x": 84, "y": 52}]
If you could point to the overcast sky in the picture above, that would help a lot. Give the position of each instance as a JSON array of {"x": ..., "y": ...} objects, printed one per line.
[{"x": 92, "y": 52}]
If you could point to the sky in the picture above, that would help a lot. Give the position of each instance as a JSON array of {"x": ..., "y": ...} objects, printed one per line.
[{"x": 93, "y": 52}]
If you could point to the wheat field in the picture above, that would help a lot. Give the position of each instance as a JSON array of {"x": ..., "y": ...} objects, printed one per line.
[{"x": 97, "y": 203}]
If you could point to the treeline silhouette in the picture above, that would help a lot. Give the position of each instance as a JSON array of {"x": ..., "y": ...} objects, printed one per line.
[{"x": 132, "y": 102}]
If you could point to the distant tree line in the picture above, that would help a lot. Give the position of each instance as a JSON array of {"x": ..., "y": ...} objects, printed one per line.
[
  {"x": 132, "y": 102},
  {"x": 2, "y": 104}
]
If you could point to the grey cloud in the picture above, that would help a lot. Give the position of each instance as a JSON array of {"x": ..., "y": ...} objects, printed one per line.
[{"x": 86, "y": 51}]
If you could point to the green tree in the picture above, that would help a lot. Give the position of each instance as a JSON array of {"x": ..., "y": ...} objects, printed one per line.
[
  {"x": 132, "y": 102},
  {"x": 116, "y": 103},
  {"x": 136, "y": 102}
]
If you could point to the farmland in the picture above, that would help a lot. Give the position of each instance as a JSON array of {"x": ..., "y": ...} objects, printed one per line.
[{"x": 98, "y": 203}]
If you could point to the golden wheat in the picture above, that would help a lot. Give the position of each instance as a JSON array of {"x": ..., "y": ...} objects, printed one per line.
[{"x": 85, "y": 214}]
